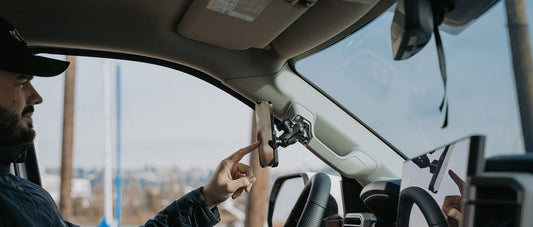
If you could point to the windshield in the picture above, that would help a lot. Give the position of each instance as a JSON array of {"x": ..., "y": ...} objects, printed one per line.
[{"x": 400, "y": 100}]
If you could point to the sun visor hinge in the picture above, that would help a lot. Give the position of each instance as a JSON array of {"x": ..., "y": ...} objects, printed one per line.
[{"x": 301, "y": 3}]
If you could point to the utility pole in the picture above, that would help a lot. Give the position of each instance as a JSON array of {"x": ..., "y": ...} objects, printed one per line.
[
  {"x": 256, "y": 206},
  {"x": 521, "y": 52},
  {"x": 65, "y": 205}
]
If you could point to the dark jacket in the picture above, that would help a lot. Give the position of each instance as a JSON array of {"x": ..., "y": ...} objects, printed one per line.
[{"x": 23, "y": 203}]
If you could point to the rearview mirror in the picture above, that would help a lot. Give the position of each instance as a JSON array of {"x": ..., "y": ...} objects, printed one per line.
[
  {"x": 411, "y": 27},
  {"x": 266, "y": 134}
]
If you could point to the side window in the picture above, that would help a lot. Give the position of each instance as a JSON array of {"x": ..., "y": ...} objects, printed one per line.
[{"x": 175, "y": 129}]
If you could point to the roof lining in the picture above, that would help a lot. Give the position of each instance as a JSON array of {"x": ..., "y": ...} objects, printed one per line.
[
  {"x": 372, "y": 14},
  {"x": 323, "y": 21}
]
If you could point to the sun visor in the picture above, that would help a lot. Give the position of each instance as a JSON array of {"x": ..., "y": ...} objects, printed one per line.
[{"x": 240, "y": 24}]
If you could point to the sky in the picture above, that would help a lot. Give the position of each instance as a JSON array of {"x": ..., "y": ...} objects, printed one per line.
[
  {"x": 169, "y": 119},
  {"x": 400, "y": 99}
]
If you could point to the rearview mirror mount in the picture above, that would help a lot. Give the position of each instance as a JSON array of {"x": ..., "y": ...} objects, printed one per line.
[{"x": 413, "y": 23}]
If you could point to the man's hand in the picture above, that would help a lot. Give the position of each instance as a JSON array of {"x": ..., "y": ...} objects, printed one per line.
[
  {"x": 231, "y": 178},
  {"x": 452, "y": 204}
]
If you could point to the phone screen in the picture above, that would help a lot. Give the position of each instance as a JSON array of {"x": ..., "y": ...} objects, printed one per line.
[{"x": 268, "y": 153}]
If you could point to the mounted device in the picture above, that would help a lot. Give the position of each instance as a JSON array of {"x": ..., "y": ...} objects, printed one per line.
[
  {"x": 452, "y": 165},
  {"x": 268, "y": 149},
  {"x": 294, "y": 130},
  {"x": 436, "y": 167}
]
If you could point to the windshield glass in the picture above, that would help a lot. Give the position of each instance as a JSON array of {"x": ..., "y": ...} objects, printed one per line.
[{"x": 400, "y": 100}]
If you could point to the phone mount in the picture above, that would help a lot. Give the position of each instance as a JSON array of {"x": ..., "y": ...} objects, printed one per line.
[
  {"x": 294, "y": 130},
  {"x": 436, "y": 167}
]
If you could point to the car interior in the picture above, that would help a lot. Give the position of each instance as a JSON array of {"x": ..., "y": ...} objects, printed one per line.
[{"x": 248, "y": 49}]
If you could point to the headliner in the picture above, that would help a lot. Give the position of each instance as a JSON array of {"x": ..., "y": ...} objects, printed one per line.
[{"x": 150, "y": 29}]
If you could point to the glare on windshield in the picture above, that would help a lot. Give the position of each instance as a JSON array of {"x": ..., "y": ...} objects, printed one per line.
[{"x": 400, "y": 100}]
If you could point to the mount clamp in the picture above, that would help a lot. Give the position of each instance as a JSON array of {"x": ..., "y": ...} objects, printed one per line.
[{"x": 294, "y": 130}]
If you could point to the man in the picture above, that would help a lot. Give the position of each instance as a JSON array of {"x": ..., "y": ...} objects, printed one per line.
[{"x": 23, "y": 203}]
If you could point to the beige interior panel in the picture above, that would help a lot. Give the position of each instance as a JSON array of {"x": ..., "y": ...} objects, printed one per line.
[
  {"x": 203, "y": 24},
  {"x": 335, "y": 136},
  {"x": 321, "y": 22}
]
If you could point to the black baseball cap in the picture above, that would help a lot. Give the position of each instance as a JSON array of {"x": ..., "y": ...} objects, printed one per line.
[{"x": 15, "y": 56}]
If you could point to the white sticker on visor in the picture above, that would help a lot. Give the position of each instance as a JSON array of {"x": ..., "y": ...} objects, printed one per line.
[{"x": 247, "y": 10}]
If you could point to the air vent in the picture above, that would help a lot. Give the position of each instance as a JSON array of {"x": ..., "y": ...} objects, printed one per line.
[
  {"x": 354, "y": 221},
  {"x": 495, "y": 201},
  {"x": 359, "y": 220},
  {"x": 497, "y": 206}
]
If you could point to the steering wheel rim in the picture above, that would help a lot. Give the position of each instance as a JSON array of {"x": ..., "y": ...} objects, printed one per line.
[
  {"x": 311, "y": 204},
  {"x": 426, "y": 203}
]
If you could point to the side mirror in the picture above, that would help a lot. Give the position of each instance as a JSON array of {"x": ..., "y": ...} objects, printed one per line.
[
  {"x": 285, "y": 192},
  {"x": 304, "y": 199}
]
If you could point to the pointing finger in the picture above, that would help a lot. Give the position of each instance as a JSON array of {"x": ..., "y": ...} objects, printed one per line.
[
  {"x": 237, "y": 156},
  {"x": 460, "y": 183}
]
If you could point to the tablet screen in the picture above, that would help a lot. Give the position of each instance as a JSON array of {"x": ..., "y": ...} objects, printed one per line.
[{"x": 433, "y": 183}]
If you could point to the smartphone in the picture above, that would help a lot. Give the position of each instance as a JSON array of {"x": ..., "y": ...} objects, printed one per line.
[{"x": 266, "y": 134}]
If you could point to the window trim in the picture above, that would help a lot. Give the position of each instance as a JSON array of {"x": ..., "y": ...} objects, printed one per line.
[{"x": 131, "y": 57}]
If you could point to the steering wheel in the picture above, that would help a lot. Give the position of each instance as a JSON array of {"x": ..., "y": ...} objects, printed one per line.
[
  {"x": 426, "y": 203},
  {"x": 311, "y": 204}
]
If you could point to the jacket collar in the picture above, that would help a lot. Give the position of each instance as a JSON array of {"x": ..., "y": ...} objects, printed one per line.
[{"x": 14, "y": 153}]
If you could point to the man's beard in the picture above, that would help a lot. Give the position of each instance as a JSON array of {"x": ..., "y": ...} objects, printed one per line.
[{"x": 11, "y": 129}]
